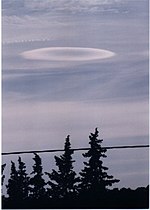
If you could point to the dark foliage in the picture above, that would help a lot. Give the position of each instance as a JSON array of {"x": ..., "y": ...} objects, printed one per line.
[
  {"x": 18, "y": 184},
  {"x": 65, "y": 190},
  {"x": 63, "y": 182},
  {"x": 112, "y": 199},
  {"x": 13, "y": 187},
  {"x": 94, "y": 178},
  {"x": 2, "y": 173},
  {"x": 37, "y": 190},
  {"x": 23, "y": 181}
]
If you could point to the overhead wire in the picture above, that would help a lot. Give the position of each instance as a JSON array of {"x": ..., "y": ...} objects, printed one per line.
[{"x": 75, "y": 149}]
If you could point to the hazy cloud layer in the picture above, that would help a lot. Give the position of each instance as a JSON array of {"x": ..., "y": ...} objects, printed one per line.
[
  {"x": 34, "y": 7},
  {"x": 73, "y": 6},
  {"x": 72, "y": 117}
]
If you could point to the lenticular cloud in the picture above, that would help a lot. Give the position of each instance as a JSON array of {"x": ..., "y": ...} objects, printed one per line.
[{"x": 67, "y": 54}]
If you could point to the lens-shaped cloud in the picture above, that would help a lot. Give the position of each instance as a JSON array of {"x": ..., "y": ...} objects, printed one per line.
[{"x": 67, "y": 54}]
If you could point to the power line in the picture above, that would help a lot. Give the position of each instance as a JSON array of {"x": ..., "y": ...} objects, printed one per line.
[{"x": 75, "y": 149}]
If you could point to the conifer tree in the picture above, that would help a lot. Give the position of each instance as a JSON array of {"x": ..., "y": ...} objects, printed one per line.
[
  {"x": 13, "y": 187},
  {"x": 2, "y": 180},
  {"x": 23, "y": 181},
  {"x": 63, "y": 182},
  {"x": 18, "y": 183},
  {"x": 37, "y": 182},
  {"x": 2, "y": 173},
  {"x": 94, "y": 176}
]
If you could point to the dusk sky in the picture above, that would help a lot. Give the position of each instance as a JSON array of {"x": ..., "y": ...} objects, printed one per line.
[{"x": 93, "y": 73}]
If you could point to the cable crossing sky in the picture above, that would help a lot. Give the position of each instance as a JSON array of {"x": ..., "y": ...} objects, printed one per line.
[{"x": 75, "y": 149}]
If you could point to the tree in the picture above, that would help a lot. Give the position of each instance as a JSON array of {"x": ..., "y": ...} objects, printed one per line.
[
  {"x": 94, "y": 176},
  {"x": 23, "y": 181},
  {"x": 2, "y": 179},
  {"x": 2, "y": 173},
  {"x": 63, "y": 184},
  {"x": 13, "y": 187},
  {"x": 18, "y": 182},
  {"x": 37, "y": 182}
]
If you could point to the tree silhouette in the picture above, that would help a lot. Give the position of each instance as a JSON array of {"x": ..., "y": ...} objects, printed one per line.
[
  {"x": 37, "y": 182},
  {"x": 2, "y": 173},
  {"x": 18, "y": 184},
  {"x": 64, "y": 180},
  {"x": 94, "y": 176},
  {"x": 13, "y": 187},
  {"x": 23, "y": 181},
  {"x": 67, "y": 191},
  {"x": 2, "y": 179}
]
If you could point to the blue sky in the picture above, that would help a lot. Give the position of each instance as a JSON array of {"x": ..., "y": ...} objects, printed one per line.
[{"x": 44, "y": 101}]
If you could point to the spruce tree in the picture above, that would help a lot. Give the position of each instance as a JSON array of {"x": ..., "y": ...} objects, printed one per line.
[
  {"x": 37, "y": 182},
  {"x": 2, "y": 180},
  {"x": 63, "y": 182},
  {"x": 18, "y": 183},
  {"x": 2, "y": 173},
  {"x": 23, "y": 181},
  {"x": 94, "y": 177},
  {"x": 13, "y": 187}
]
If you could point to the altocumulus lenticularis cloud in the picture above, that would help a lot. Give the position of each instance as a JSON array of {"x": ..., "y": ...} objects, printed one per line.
[{"x": 67, "y": 54}]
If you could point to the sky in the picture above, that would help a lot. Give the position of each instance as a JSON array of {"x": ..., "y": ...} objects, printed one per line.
[{"x": 55, "y": 80}]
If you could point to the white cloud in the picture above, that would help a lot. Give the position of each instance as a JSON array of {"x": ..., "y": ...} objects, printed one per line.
[{"x": 67, "y": 54}]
